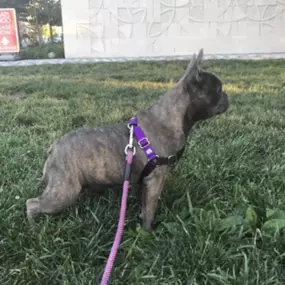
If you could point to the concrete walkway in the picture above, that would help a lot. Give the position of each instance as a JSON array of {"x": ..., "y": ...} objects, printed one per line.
[{"x": 255, "y": 56}]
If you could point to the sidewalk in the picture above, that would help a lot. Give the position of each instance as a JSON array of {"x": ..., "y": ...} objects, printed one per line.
[{"x": 255, "y": 56}]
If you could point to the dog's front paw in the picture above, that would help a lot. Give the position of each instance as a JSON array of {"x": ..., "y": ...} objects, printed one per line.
[{"x": 148, "y": 229}]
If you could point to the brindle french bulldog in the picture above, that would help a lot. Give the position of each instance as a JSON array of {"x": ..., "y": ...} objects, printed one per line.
[{"x": 94, "y": 158}]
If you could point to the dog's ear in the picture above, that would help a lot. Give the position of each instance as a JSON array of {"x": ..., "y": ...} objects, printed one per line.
[
  {"x": 193, "y": 70},
  {"x": 200, "y": 57}
]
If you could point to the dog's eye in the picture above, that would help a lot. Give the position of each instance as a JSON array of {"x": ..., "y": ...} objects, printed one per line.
[{"x": 219, "y": 89}]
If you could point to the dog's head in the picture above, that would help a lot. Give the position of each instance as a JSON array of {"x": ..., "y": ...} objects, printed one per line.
[{"x": 205, "y": 90}]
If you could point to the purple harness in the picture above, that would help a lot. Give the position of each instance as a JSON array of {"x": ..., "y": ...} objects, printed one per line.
[{"x": 153, "y": 159}]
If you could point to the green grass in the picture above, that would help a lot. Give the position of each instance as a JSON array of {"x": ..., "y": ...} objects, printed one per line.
[{"x": 234, "y": 164}]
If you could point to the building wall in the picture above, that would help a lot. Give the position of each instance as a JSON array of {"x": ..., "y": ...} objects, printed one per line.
[{"x": 133, "y": 28}]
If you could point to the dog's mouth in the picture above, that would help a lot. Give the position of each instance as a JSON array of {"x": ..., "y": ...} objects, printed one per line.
[{"x": 223, "y": 104}]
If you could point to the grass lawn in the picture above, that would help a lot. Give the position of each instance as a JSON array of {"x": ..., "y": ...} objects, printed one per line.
[{"x": 218, "y": 206}]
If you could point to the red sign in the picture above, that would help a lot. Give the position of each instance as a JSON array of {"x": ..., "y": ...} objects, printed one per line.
[{"x": 9, "y": 40}]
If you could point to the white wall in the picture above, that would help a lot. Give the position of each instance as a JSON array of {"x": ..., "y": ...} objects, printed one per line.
[{"x": 131, "y": 28}]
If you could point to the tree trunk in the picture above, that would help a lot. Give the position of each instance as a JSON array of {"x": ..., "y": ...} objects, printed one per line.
[
  {"x": 50, "y": 32},
  {"x": 40, "y": 40},
  {"x": 49, "y": 21}
]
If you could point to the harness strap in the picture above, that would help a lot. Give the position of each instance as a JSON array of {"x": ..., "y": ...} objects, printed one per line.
[
  {"x": 142, "y": 140},
  {"x": 153, "y": 159},
  {"x": 158, "y": 161}
]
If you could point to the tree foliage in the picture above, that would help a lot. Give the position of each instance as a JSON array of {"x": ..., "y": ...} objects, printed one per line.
[
  {"x": 48, "y": 12},
  {"x": 20, "y": 6},
  {"x": 37, "y": 13}
]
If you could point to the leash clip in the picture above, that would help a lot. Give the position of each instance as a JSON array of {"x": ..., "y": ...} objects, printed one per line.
[{"x": 130, "y": 145}]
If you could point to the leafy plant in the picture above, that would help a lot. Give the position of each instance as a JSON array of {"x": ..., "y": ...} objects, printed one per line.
[{"x": 273, "y": 222}]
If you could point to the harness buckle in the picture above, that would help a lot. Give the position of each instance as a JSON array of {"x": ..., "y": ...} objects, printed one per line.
[
  {"x": 172, "y": 159},
  {"x": 143, "y": 142}
]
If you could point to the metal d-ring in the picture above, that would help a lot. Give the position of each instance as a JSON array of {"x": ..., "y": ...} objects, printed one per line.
[{"x": 130, "y": 147}]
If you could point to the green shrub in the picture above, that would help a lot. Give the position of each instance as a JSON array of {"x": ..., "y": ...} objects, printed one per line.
[{"x": 42, "y": 51}]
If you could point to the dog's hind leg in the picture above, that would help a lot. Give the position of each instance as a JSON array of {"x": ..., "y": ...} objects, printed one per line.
[{"x": 55, "y": 198}]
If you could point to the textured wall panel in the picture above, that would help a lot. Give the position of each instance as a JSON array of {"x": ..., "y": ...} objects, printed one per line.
[{"x": 139, "y": 28}]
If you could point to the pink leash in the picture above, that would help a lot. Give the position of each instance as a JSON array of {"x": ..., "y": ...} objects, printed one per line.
[{"x": 130, "y": 152}]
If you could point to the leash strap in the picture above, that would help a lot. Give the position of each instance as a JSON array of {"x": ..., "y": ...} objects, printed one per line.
[
  {"x": 130, "y": 151},
  {"x": 153, "y": 159}
]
